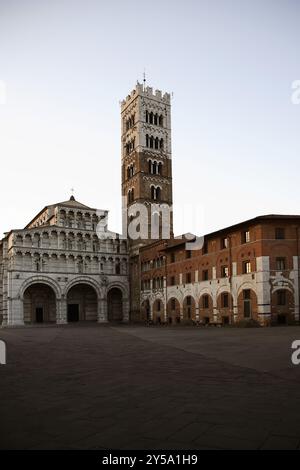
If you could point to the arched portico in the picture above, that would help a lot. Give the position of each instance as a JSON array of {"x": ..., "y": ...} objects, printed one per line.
[
  {"x": 82, "y": 303},
  {"x": 39, "y": 304},
  {"x": 39, "y": 301}
]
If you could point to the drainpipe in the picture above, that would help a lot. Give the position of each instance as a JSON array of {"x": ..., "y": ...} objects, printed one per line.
[{"x": 230, "y": 280}]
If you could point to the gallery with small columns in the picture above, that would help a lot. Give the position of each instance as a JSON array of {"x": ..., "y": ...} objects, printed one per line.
[{"x": 64, "y": 266}]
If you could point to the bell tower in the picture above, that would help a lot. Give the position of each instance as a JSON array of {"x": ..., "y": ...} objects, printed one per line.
[{"x": 146, "y": 162}]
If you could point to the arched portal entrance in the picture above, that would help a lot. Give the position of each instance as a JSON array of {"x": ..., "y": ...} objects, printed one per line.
[
  {"x": 39, "y": 304},
  {"x": 145, "y": 310},
  {"x": 82, "y": 303},
  {"x": 173, "y": 311},
  {"x": 115, "y": 305}
]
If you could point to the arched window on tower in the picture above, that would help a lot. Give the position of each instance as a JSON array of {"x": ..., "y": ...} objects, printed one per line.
[
  {"x": 147, "y": 116},
  {"x": 159, "y": 168},
  {"x": 118, "y": 267},
  {"x": 161, "y": 143},
  {"x": 147, "y": 140},
  {"x": 150, "y": 166},
  {"x": 154, "y": 168},
  {"x": 156, "y": 142},
  {"x": 158, "y": 194},
  {"x": 153, "y": 192},
  {"x": 161, "y": 120},
  {"x": 151, "y": 142},
  {"x": 151, "y": 118},
  {"x": 155, "y": 119}
]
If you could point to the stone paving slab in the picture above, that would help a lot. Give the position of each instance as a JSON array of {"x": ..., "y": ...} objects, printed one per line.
[{"x": 88, "y": 387}]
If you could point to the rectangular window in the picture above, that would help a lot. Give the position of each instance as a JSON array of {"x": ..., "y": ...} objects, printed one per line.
[
  {"x": 246, "y": 267},
  {"x": 224, "y": 243},
  {"x": 172, "y": 280},
  {"x": 188, "y": 278},
  {"x": 247, "y": 294},
  {"x": 205, "y": 275},
  {"x": 224, "y": 271},
  {"x": 205, "y": 248},
  {"x": 188, "y": 254},
  {"x": 279, "y": 233},
  {"x": 172, "y": 257},
  {"x": 281, "y": 297},
  {"x": 246, "y": 236},
  {"x": 280, "y": 264}
]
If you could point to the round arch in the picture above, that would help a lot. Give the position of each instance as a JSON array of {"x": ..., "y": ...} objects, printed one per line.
[
  {"x": 225, "y": 306},
  {"x": 158, "y": 310},
  {"x": 120, "y": 286},
  {"x": 206, "y": 311},
  {"x": 39, "y": 303},
  {"x": 82, "y": 301},
  {"x": 247, "y": 303},
  {"x": 40, "y": 280},
  {"x": 282, "y": 305},
  {"x": 173, "y": 310},
  {"x": 115, "y": 301},
  {"x": 145, "y": 310},
  {"x": 83, "y": 280},
  {"x": 189, "y": 308}
]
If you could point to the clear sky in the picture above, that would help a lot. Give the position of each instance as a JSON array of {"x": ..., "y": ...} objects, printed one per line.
[{"x": 66, "y": 64}]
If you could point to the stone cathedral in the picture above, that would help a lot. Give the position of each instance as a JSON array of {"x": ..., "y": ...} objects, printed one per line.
[{"x": 67, "y": 266}]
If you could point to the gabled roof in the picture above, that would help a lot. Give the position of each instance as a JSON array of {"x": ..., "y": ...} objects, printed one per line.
[
  {"x": 71, "y": 203},
  {"x": 74, "y": 204}
]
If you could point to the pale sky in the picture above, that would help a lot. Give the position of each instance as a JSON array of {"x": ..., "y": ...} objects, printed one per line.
[{"x": 66, "y": 64}]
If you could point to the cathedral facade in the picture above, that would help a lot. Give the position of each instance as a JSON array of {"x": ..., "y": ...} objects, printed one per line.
[{"x": 64, "y": 266}]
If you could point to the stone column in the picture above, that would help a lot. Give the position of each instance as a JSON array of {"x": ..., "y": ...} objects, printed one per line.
[
  {"x": 102, "y": 311},
  {"x": 165, "y": 313},
  {"x": 197, "y": 312},
  {"x": 215, "y": 308},
  {"x": 61, "y": 311},
  {"x": 15, "y": 312},
  {"x": 181, "y": 312},
  {"x": 125, "y": 311}
]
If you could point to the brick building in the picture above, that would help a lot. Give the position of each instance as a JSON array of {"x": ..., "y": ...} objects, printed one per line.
[{"x": 246, "y": 271}]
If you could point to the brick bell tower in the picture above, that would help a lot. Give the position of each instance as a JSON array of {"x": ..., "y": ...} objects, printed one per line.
[
  {"x": 146, "y": 174},
  {"x": 146, "y": 159}
]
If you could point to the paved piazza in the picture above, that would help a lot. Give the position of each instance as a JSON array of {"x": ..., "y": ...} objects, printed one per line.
[{"x": 129, "y": 387}]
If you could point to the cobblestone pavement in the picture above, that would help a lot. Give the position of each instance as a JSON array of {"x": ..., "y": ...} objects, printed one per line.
[{"x": 127, "y": 387}]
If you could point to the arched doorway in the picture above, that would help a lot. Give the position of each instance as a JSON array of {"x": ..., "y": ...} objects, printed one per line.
[
  {"x": 247, "y": 305},
  {"x": 82, "y": 303},
  {"x": 206, "y": 309},
  {"x": 39, "y": 304},
  {"x": 189, "y": 309},
  {"x": 115, "y": 305},
  {"x": 158, "y": 311},
  {"x": 282, "y": 306},
  {"x": 145, "y": 311},
  {"x": 173, "y": 310},
  {"x": 225, "y": 308}
]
